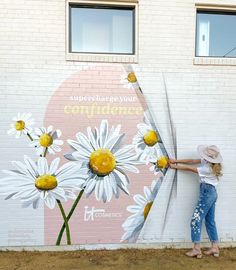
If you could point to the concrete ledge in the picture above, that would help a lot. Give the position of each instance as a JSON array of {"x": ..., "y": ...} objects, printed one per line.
[
  {"x": 214, "y": 61},
  {"x": 113, "y": 246}
]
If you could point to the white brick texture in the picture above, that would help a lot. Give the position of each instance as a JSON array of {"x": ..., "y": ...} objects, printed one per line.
[{"x": 202, "y": 97}]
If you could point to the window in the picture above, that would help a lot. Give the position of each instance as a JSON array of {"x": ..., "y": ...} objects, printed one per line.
[
  {"x": 99, "y": 28},
  {"x": 216, "y": 34}
]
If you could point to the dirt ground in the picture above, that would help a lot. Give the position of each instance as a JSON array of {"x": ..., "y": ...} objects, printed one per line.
[{"x": 163, "y": 259}]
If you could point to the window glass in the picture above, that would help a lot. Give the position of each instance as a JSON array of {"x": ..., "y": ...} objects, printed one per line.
[
  {"x": 216, "y": 34},
  {"x": 101, "y": 30}
]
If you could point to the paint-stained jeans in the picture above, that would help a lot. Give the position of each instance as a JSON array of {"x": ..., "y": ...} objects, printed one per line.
[{"x": 205, "y": 209}]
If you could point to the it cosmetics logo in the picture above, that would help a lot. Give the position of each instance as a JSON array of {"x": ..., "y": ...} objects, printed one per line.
[{"x": 92, "y": 213}]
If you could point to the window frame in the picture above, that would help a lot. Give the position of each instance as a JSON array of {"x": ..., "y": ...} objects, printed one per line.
[
  {"x": 212, "y": 60},
  {"x": 103, "y": 57}
]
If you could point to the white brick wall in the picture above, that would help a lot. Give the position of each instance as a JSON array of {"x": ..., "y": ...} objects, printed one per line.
[{"x": 202, "y": 98}]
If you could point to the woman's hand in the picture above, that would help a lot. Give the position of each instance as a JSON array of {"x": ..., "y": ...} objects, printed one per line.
[
  {"x": 172, "y": 161},
  {"x": 173, "y": 166}
]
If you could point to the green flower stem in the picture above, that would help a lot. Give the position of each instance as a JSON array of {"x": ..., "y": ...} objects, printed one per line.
[
  {"x": 65, "y": 222},
  {"x": 45, "y": 152},
  {"x": 68, "y": 217},
  {"x": 30, "y": 137}
]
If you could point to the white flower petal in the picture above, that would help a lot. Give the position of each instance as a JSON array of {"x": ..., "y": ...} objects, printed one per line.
[
  {"x": 103, "y": 133},
  {"x": 134, "y": 208},
  {"x": 139, "y": 199},
  {"x": 90, "y": 185},
  {"x": 97, "y": 190},
  {"x": 66, "y": 169},
  {"x": 42, "y": 166},
  {"x": 108, "y": 188},
  {"x": 113, "y": 142},
  {"x": 50, "y": 201},
  {"x": 58, "y": 193},
  {"x": 55, "y": 148},
  {"x": 147, "y": 193},
  {"x": 49, "y": 129},
  {"x": 31, "y": 166},
  {"x": 54, "y": 166},
  {"x": 84, "y": 141},
  {"x": 39, "y": 131},
  {"x": 129, "y": 168},
  {"x": 36, "y": 203},
  {"x": 92, "y": 138},
  {"x": 121, "y": 177}
]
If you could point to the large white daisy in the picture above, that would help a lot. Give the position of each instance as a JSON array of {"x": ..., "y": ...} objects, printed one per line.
[
  {"x": 34, "y": 181},
  {"x": 47, "y": 140},
  {"x": 100, "y": 156},
  {"x": 147, "y": 140},
  {"x": 129, "y": 80},
  {"x": 22, "y": 124},
  {"x": 134, "y": 223}
]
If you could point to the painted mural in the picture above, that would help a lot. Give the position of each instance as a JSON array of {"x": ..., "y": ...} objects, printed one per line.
[{"x": 99, "y": 160}]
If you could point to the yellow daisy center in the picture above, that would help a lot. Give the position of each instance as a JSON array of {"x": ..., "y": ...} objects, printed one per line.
[
  {"x": 131, "y": 77},
  {"x": 19, "y": 125},
  {"x": 102, "y": 162},
  {"x": 46, "y": 182},
  {"x": 150, "y": 138},
  {"x": 45, "y": 140},
  {"x": 147, "y": 209},
  {"x": 162, "y": 162}
]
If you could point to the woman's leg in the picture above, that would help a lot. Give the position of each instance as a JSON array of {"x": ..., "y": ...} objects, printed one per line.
[
  {"x": 211, "y": 225},
  {"x": 204, "y": 204},
  {"x": 205, "y": 209},
  {"x": 196, "y": 226},
  {"x": 196, "y": 222},
  {"x": 212, "y": 232}
]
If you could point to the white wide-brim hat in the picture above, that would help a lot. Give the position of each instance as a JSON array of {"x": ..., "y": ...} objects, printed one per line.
[{"x": 210, "y": 153}]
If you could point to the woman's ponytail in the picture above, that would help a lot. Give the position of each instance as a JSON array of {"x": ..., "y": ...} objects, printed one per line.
[{"x": 216, "y": 169}]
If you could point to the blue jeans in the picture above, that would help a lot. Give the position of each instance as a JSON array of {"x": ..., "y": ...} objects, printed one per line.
[{"x": 205, "y": 209}]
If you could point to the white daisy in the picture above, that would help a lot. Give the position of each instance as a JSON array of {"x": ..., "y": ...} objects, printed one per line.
[
  {"x": 35, "y": 181},
  {"x": 100, "y": 156},
  {"x": 21, "y": 125},
  {"x": 159, "y": 164},
  {"x": 129, "y": 80},
  {"x": 140, "y": 211},
  {"x": 46, "y": 140},
  {"x": 147, "y": 140}
]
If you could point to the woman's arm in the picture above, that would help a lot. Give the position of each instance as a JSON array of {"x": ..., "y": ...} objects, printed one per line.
[
  {"x": 184, "y": 168},
  {"x": 186, "y": 161}
]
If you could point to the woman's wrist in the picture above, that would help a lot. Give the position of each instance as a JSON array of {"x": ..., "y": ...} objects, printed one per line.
[
  {"x": 188, "y": 161},
  {"x": 173, "y": 161},
  {"x": 183, "y": 168}
]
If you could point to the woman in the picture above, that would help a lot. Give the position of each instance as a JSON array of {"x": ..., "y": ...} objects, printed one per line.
[{"x": 209, "y": 172}]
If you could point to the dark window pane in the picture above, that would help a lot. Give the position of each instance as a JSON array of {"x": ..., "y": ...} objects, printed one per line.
[
  {"x": 101, "y": 30},
  {"x": 216, "y": 34}
]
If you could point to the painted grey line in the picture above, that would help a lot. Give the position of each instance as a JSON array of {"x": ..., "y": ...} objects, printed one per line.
[
  {"x": 173, "y": 190},
  {"x": 169, "y": 114},
  {"x": 172, "y": 195}
]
